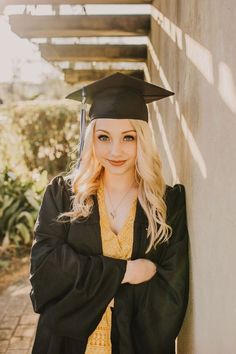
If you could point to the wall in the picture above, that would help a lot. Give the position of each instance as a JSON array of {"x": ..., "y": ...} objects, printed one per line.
[{"x": 192, "y": 51}]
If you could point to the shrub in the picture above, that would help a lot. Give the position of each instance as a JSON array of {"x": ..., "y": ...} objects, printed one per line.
[
  {"x": 11, "y": 151},
  {"x": 48, "y": 134},
  {"x": 20, "y": 199}
]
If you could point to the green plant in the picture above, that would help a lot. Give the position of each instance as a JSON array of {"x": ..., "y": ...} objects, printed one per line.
[
  {"x": 11, "y": 148},
  {"x": 20, "y": 199},
  {"x": 48, "y": 133}
]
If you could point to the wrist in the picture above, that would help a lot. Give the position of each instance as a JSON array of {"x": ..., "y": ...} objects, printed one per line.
[
  {"x": 126, "y": 278},
  {"x": 128, "y": 271}
]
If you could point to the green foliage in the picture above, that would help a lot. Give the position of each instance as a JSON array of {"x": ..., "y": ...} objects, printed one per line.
[
  {"x": 49, "y": 134},
  {"x": 46, "y": 135},
  {"x": 20, "y": 200},
  {"x": 11, "y": 152}
]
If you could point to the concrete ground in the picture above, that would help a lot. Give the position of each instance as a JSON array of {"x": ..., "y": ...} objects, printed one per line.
[{"x": 17, "y": 319}]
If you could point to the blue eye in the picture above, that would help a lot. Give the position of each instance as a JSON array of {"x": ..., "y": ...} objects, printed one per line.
[
  {"x": 129, "y": 136},
  {"x": 102, "y": 136}
]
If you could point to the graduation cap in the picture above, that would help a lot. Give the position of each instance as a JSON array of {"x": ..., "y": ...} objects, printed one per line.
[{"x": 116, "y": 96}]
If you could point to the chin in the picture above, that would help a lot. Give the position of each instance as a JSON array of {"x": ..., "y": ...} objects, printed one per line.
[{"x": 118, "y": 170}]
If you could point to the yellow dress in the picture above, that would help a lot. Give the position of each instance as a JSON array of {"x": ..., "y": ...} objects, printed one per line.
[{"x": 116, "y": 246}]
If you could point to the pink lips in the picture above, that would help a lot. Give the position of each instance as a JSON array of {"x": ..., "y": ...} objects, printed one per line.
[{"x": 116, "y": 163}]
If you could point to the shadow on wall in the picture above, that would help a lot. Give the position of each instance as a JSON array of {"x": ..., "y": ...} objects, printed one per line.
[
  {"x": 218, "y": 75},
  {"x": 190, "y": 57}
]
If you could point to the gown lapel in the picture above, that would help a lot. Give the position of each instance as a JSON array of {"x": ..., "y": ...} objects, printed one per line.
[{"x": 85, "y": 236}]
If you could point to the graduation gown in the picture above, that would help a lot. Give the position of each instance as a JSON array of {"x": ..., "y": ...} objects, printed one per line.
[{"x": 73, "y": 282}]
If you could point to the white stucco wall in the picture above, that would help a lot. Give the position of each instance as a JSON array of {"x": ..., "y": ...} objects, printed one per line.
[{"x": 192, "y": 51}]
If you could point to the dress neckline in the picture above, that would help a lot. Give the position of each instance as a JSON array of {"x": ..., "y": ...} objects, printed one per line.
[{"x": 129, "y": 218}]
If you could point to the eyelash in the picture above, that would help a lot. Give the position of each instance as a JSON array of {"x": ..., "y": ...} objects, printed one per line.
[{"x": 129, "y": 136}]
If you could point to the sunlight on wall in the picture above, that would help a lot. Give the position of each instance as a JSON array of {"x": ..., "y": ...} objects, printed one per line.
[
  {"x": 159, "y": 68},
  {"x": 192, "y": 143},
  {"x": 186, "y": 131},
  {"x": 173, "y": 31},
  {"x": 163, "y": 134},
  {"x": 200, "y": 57},
  {"x": 226, "y": 86},
  {"x": 175, "y": 178},
  {"x": 198, "y": 54}
]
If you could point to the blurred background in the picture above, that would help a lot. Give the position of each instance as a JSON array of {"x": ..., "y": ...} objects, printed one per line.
[{"x": 50, "y": 48}]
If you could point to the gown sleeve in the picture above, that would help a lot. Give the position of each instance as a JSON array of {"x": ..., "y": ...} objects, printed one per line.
[
  {"x": 163, "y": 300},
  {"x": 70, "y": 290}
]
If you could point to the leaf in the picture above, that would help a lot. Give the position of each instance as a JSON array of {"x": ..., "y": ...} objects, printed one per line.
[
  {"x": 6, "y": 240},
  {"x": 24, "y": 232},
  {"x": 16, "y": 239},
  {"x": 7, "y": 201},
  {"x": 12, "y": 209},
  {"x": 28, "y": 216},
  {"x": 41, "y": 183},
  {"x": 11, "y": 221},
  {"x": 32, "y": 201}
]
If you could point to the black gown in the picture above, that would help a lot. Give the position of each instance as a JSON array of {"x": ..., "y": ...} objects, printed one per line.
[{"x": 73, "y": 283}]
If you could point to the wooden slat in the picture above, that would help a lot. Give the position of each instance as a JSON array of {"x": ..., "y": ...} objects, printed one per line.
[
  {"x": 72, "y": 2},
  {"x": 80, "y": 25},
  {"x": 85, "y": 52},
  {"x": 75, "y": 76}
]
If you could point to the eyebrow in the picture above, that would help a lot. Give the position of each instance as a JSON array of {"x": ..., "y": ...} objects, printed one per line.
[{"x": 127, "y": 131}]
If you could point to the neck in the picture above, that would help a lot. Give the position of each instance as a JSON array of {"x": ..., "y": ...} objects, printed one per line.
[{"x": 119, "y": 183}]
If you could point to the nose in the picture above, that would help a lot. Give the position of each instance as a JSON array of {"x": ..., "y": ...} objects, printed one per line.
[{"x": 115, "y": 148}]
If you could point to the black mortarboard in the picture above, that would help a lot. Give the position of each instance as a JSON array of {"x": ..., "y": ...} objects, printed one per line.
[{"x": 117, "y": 96}]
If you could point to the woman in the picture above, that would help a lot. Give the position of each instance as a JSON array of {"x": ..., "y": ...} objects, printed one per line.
[{"x": 109, "y": 263}]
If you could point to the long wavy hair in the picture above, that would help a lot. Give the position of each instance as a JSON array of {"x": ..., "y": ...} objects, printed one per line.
[{"x": 85, "y": 180}]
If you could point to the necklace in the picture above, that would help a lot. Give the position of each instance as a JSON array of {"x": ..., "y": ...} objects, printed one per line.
[{"x": 113, "y": 212}]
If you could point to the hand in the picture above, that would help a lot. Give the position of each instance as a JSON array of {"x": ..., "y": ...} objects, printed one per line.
[{"x": 139, "y": 271}]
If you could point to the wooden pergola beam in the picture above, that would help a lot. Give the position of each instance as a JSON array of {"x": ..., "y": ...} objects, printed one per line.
[
  {"x": 88, "y": 52},
  {"x": 73, "y": 76},
  {"x": 71, "y": 2},
  {"x": 28, "y": 26}
]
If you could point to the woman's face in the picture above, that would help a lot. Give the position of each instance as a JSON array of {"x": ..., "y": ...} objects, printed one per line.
[{"x": 115, "y": 140}]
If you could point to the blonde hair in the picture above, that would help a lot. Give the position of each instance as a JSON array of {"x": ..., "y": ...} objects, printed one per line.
[{"x": 151, "y": 186}]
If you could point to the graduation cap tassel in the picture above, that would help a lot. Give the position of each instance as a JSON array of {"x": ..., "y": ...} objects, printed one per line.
[{"x": 82, "y": 127}]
